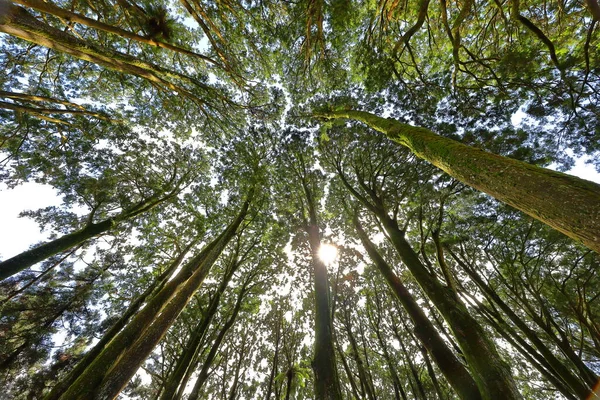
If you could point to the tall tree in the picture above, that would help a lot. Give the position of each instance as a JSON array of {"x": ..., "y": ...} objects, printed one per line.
[{"x": 539, "y": 192}]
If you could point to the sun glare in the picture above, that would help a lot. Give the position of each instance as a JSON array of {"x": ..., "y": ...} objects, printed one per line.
[{"x": 328, "y": 253}]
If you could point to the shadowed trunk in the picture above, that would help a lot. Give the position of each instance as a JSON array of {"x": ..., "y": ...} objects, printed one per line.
[
  {"x": 204, "y": 372},
  {"x": 327, "y": 385},
  {"x": 133, "y": 308},
  {"x": 179, "y": 377},
  {"x": 119, "y": 360},
  {"x": 577, "y": 386},
  {"x": 454, "y": 371}
]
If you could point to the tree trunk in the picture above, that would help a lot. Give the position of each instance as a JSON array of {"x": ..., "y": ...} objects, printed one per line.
[
  {"x": 362, "y": 373},
  {"x": 203, "y": 376},
  {"x": 275, "y": 356},
  {"x": 454, "y": 371},
  {"x": 290, "y": 377},
  {"x": 133, "y": 308},
  {"x": 177, "y": 378},
  {"x": 31, "y": 257},
  {"x": 119, "y": 360},
  {"x": 327, "y": 385},
  {"x": 490, "y": 372},
  {"x": 353, "y": 386},
  {"x": 419, "y": 392},
  {"x": 578, "y": 387},
  {"x": 18, "y": 22},
  {"x": 538, "y": 192}
]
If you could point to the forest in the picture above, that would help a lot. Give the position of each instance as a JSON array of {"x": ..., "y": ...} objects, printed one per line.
[{"x": 302, "y": 199}]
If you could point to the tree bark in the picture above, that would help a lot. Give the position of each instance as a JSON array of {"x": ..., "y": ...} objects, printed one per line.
[
  {"x": 204, "y": 372},
  {"x": 327, "y": 385},
  {"x": 538, "y": 192},
  {"x": 119, "y": 360},
  {"x": 490, "y": 372},
  {"x": 454, "y": 371},
  {"x": 577, "y": 386},
  {"x": 177, "y": 379},
  {"x": 133, "y": 308}
]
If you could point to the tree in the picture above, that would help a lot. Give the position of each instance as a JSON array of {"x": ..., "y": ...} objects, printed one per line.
[
  {"x": 544, "y": 200},
  {"x": 307, "y": 189},
  {"x": 196, "y": 195}
]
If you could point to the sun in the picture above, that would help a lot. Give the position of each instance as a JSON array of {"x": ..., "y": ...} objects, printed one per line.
[{"x": 328, "y": 253}]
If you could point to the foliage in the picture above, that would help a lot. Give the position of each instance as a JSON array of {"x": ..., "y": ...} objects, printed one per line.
[{"x": 208, "y": 106}]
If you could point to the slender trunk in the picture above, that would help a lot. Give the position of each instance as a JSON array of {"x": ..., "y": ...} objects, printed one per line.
[
  {"x": 177, "y": 379},
  {"x": 526, "y": 350},
  {"x": 578, "y": 387},
  {"x": 368, "y": 368},
  {"x": 238, "y": 367},
  {"x": 353, "y": 386},
  {"x": 290, "y": 377},
  {"x": 17, "y": 21},
  {"x": 490, "y": 372},
  {"x": 275, "y": 357},
  {"x": 33, "y": 256},
  {"x": 538, "y": 192},
  {"x": 419, "y": 392},
  {"x": 116, "y": 364},
  {"x": 362, "y": 373},
  {"x": 454, "y": 371},
  {"x": 204, "y": 372},
  {"x": 398, "y": 390},
  {"x": 39, "y": 253},
  {"x": 327, "y": 385},
  {"x": 431, "y": 373}
]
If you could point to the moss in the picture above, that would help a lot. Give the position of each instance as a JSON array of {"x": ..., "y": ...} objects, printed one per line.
[{"x": 539, "y": 192}]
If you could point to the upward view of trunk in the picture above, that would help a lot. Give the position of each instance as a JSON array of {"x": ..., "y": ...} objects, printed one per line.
[
  {"x": 491, "y": 373},
  {"x": 110, "y": 371},
  {"x": 454, "y": 371},
  {"x": 178, "y": 378},
  {"x": 133, "y": 308},
  {"x": 362, "y": 371},
  {"x": 33, "y": 256},
  {"x": 327, "y": 385},
  {"x": 538, "y": 192},
  {"x": 204, "y": 372},
  {"x": 561, "y": 371}
]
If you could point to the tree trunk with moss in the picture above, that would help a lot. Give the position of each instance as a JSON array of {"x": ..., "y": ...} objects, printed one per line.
[
  {"x": 110, "y": 371},
  {"x": 568, "y": 204},
  {"x": 561, "y": 371},
  {"x": 133, "y": 308},
  {"x": 491, "y": 373},
  {"x": 212, "y": 354},
  {"x": 327, "y": 385},
  {"x": 178, "y": 379}
]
